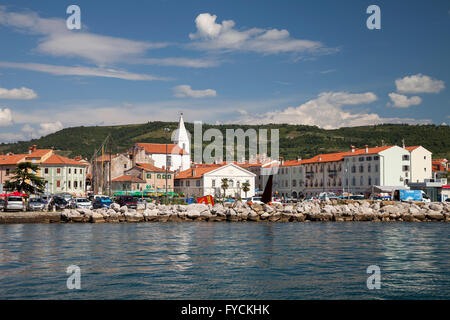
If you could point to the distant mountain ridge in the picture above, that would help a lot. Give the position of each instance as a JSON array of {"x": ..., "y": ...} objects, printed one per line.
[{"x": 295, "y": 140}]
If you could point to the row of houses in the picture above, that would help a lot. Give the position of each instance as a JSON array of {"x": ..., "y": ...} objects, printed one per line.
[
  {"x": 355, "y": 171},
  {"x": 61, "y": 174},
  {"x": 160, "y": 168}
]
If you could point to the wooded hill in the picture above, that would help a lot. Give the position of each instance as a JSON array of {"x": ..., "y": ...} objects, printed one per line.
[{"x": 295, "y": 140}]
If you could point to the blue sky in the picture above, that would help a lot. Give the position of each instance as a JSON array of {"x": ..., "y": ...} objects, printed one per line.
[{"x": 299, "y": 62}]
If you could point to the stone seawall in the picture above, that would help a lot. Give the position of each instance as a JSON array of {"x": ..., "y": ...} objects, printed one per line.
[{"x": 302, "y": 212}]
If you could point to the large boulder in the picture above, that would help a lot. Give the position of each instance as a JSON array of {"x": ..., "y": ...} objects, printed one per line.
[
  {"x": 436, "y": 207},
  {"x": 435, "y": 215},
  {"x": 115, "y": 207},
  {"x": 97, "y": 217}
]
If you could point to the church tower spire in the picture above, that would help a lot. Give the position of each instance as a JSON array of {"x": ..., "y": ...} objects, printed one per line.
[{"x": 181, "y": 136}]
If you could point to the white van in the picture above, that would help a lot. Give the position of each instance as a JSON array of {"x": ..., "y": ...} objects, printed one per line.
[{"x": 14, "y": 203}]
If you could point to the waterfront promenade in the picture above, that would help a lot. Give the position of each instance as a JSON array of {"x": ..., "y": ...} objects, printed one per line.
[{"x": 345, "y": 210}]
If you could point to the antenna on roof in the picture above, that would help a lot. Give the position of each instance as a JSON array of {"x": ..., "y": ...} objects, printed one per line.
[{"x": 403, "y": 143}]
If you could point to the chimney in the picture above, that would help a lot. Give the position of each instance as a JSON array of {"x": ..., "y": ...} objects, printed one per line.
[
  {"x": 32, "y": 149},
  {"x": 320, "y": 158},
  {"x": 78, "y": 158},
  {"x": 193, "y": 172},
  {"x": 367, "y": 148},
  {"x": 299, "y": 158},
  {"x": 352, "y": 148}
]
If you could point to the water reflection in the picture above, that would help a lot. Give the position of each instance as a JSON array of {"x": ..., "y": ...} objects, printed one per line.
[{"x": 225, "y": 260}]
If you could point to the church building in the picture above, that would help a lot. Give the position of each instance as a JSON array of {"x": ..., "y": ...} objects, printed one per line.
[{"x": 177, "y": 155}]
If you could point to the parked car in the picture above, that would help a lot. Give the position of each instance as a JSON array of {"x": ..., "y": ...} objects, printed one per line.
[
  {"x": 328, "y": 196},
  {"x": 81, "y": 203},
  {"x": 255, "y": 200},
  {"x": 35, "y": 204},
  {"x": 14, "y": 204},
  {"x": 101, "y": 202},
  {"x": 66, "y": 196},
  {"x": 2, "y": 204},
  {"x": 58, "y": 203},
  {"x": 129, "y": 201}
]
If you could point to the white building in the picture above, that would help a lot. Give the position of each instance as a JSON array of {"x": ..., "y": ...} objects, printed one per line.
[
  {"x": 176, "y": 155},
  {"x": 421, "y": 167},
  {"x": 207, "y": 180},
  {"x": 289, "y": 182},
  {"x": 379, "y": 166}
]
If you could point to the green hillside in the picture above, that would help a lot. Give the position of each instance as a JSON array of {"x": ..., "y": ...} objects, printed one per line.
[{"x": 295, "y": 140}]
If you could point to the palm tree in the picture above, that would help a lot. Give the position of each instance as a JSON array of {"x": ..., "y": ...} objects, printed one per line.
[
  {"x": 224, "y": 186},
  {"x": 25, "y": 179},
  {"x": 246, "y": 188}
]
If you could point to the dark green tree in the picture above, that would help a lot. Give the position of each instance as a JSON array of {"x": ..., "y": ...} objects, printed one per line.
[
  {"x": 246, "y": 188},
  {"x": 25, "y": 179}
]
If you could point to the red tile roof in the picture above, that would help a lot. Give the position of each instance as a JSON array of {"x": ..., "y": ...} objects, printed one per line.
[
  {"x": 151, "y": 168},
  {"x": 411, "y": 148},
  {"x": 331, "y": 157},
  {"x": 128, "y": 178},
  {"x": 158, "y": 148},
  {"x": 55, "y": 159},
  {"x": 195, "y": 173},
  {"x": 38, "y": 153},
  {"x": 11, "y": 159}
]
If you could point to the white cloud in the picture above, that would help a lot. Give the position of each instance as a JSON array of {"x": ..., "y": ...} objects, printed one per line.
[
  {"x": 50, "y": 127},
  {"x": 81, "y": 71},
  {"x": 27, "y": 128},
  {"x": 58, "y": 41},
  {"x": 5, "y": 117},
  {"x": 184, "y": 91},
  {"x": 326, "y": 112},
  {"x": 11, "y": 137},
  {"x": 419, "y": 83},
  {"x": 18, "y": 94},
  {"x": 211, "y": 35},
  {"x": 179, "y": 62},
  {"x": 402, "y": 101}
]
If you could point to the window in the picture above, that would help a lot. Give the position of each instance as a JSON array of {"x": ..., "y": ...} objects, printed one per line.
[
  {"x": 376, "y": 158},
  {"x": 169, "y": 176},
  {"x": 368, "y": 158},
  {"x": 424, "y": 157},
  {"x": 70, "y": 171},
  {"x": 188, "y": 183},
  {"x": 376, "y": 168},
  {"x": 75, "y": 184},
  {"x": 149, "y": 175},
  {"x": 376, "y": 181},
  {"x": 294, "y": 183},
  {"x": 159, "y": 176},
  {"x": 353, "y": 169},
  {"x": 425, "y": 169},
  {"x": 197, "y": 183},
  {"x": 181, "y": 183},
  {"x": 7, "y": 172},
  {"x": 361, "y": 168},
  {"x": 361, "y": 159},
  {"x": 176, "y": 183},
  {"x": 405, "y": 168},
  {"x": 75, "y": 171},
  {"x": 353, "y": 181},
  {"x": 58, "y": 184},
  {"x": 405, "y": 157},
  {"x": 370, "y": 181},
  {"x": 213, "y": 183},
  {"x": 369, "y": 168},
  {"x": 70, "y": 184},
  {"x": 58, "y": 171},
  {"x": 361, "y": 180},
  {"x": 125, "y": 166},
  {"x": 169, "y": 161}
]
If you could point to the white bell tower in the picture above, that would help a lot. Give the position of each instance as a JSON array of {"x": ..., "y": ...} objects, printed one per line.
[{"x": 181, "y": 138}]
